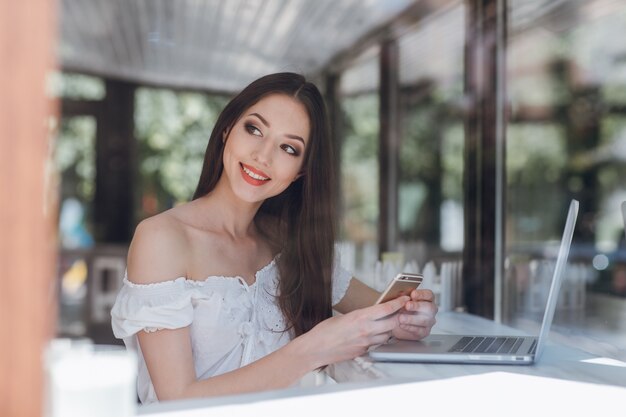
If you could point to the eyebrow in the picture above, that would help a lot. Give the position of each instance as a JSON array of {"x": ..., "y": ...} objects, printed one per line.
[{"x": 266, "y": 123}]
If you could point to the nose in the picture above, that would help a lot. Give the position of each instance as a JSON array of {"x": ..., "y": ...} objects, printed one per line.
[{"x": 263, "y": 153}]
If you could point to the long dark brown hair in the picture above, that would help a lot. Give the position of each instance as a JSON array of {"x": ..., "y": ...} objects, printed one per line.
[{"x": 301, "y": 219}]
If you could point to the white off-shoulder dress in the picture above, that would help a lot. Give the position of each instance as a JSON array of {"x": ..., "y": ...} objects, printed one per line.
[{"x": 231, "y": 323}]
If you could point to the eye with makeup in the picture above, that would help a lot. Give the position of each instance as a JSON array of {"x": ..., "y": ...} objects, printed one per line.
[
  {"x": 290, "y": 150},
  {"x": 252, "y": 129}
]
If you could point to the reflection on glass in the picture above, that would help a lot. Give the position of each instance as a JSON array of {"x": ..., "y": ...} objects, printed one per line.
[
  {"x": 565, "y": 138},
  {"x": 566, "y": 78},
  {"x": 74, "y": 161},
  {"x": 359, "y": 184},
  {"x": 431, "y": 132},
  {"x": 432, "y": 136}
]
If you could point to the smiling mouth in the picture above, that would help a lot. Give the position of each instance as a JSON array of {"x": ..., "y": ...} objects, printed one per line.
[{"x": 253, "y": 174}]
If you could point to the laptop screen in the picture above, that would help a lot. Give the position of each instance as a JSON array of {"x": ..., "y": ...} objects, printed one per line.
[{"x": 566, "y": 242}]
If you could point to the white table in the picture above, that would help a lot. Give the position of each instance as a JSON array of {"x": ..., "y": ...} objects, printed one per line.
[
  {"x": 566, "y": 381},
  {"x": 557, "y": 361}
]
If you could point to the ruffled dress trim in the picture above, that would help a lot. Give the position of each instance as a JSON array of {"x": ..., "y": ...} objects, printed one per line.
[{"x": 169, "y": 304}]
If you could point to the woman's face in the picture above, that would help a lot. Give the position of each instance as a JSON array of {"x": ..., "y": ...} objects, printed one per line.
[{"x": 264, "y": 151}]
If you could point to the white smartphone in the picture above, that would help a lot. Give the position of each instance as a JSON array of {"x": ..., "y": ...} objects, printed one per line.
[{"x": 402, "y": 284}]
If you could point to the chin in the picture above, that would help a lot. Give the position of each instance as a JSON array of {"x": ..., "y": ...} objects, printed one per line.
[
  {"x": 257, "y": 197},
  {"x": 249, "y": 196}
]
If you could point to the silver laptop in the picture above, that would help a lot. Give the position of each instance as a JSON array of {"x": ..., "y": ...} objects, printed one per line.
[{"x": 486, "y": 349}]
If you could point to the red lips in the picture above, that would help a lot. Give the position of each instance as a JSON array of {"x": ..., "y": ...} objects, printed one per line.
[{"x": 253, "y": 181}]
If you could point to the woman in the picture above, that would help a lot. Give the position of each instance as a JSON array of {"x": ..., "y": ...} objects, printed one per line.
[{"x": 233, "y": 292}]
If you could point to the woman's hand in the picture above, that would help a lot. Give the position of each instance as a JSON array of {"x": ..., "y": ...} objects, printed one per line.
[
  {"x": 347, "y": 336},
  {"x": 417, "y": 318}
]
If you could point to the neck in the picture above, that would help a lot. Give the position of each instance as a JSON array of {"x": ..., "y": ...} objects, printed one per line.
[{"x": 229, "y": 214}]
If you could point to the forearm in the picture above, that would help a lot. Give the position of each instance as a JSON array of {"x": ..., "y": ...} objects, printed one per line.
[
  {"x": 357, "y": 296},
  {"x": 333, "y": 340},
  {"x": 280, "y": 369}
]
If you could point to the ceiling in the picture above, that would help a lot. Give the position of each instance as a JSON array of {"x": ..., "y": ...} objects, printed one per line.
[
  {"x": 222, "y": 45},
  {"x": 211, "y": 44}
]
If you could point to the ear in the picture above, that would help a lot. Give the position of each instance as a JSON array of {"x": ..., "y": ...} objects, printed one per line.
[{"x": 225, "y": 135}]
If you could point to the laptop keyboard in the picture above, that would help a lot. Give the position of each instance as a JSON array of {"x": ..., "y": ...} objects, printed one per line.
[{"x": 487, "y": 345}]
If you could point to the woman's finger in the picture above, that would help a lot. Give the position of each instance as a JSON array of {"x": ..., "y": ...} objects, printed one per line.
[
  {"x": 422, "y": 307},
  {"x": 421, "y": 320},
  {"x": 422, "y": 295},
  {"x": 379, "y": 311},
  {"x": 413, "y": 332},
  {"x": 380, "y": 339},
  {"x": 384, "y": 325}
]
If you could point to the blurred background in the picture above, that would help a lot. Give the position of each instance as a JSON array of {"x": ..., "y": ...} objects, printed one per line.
[{"x": 463, "y": 130}]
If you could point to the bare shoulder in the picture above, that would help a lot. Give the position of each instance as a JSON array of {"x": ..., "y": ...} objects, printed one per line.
[{"x": 158, "y": 250}]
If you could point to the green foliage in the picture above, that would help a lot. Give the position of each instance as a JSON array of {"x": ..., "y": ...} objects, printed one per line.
[
  {"x": 452, "y": 149},
  {"x": 535, "y": 154},
  {"x": 173, "y": 130},
  {"x": 359, "y": 168},
  {"x": 613, "y": 129},
  {"x": 74, "y": 157},
  {"x": 431, "y": 163},
  {"x": 612, "y": 93},
  {"x": 361, "y": 128},
  {"x": 420, "y": 144},
  {"x": 75, "y": 86},
  {"x": 426, "y": 144}
]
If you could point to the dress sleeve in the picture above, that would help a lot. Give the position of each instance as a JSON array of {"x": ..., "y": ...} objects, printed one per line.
[
  {"x": 151, "y": 307},
  {"x": 341, "y": 280}
]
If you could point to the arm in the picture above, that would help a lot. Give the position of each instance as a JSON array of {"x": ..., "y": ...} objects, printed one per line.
[
  {"x": 169, "y": 359},
  {"x": 357, "y": 296},
  {"x": 157, "y": 254},
  {"x": 415, "y": 320},
  {"x": 170, "y": 362}
]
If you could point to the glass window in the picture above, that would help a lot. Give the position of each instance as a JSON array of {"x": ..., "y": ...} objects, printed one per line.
[
  {"x": 74, "y": 163},
  {"x": 430, "y": 157},
  {"x": 432, "y": 135},
  {"x": 566, "y": 138},
  {"x": 359, "y": 170},
  {"x": 431, "y": 154}
]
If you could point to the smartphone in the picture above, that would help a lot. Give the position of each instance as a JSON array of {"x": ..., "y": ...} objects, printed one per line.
[{"x": 402, "y": 284}]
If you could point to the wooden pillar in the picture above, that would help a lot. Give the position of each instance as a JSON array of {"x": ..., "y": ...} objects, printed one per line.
[
  {"x": 484, "y": 152},
  {"x": 335, "y": 117},
  {"x": 388, "y": 157},
  {"x": 28, "y": 206},
  {"x": 115, "y": 162}
]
